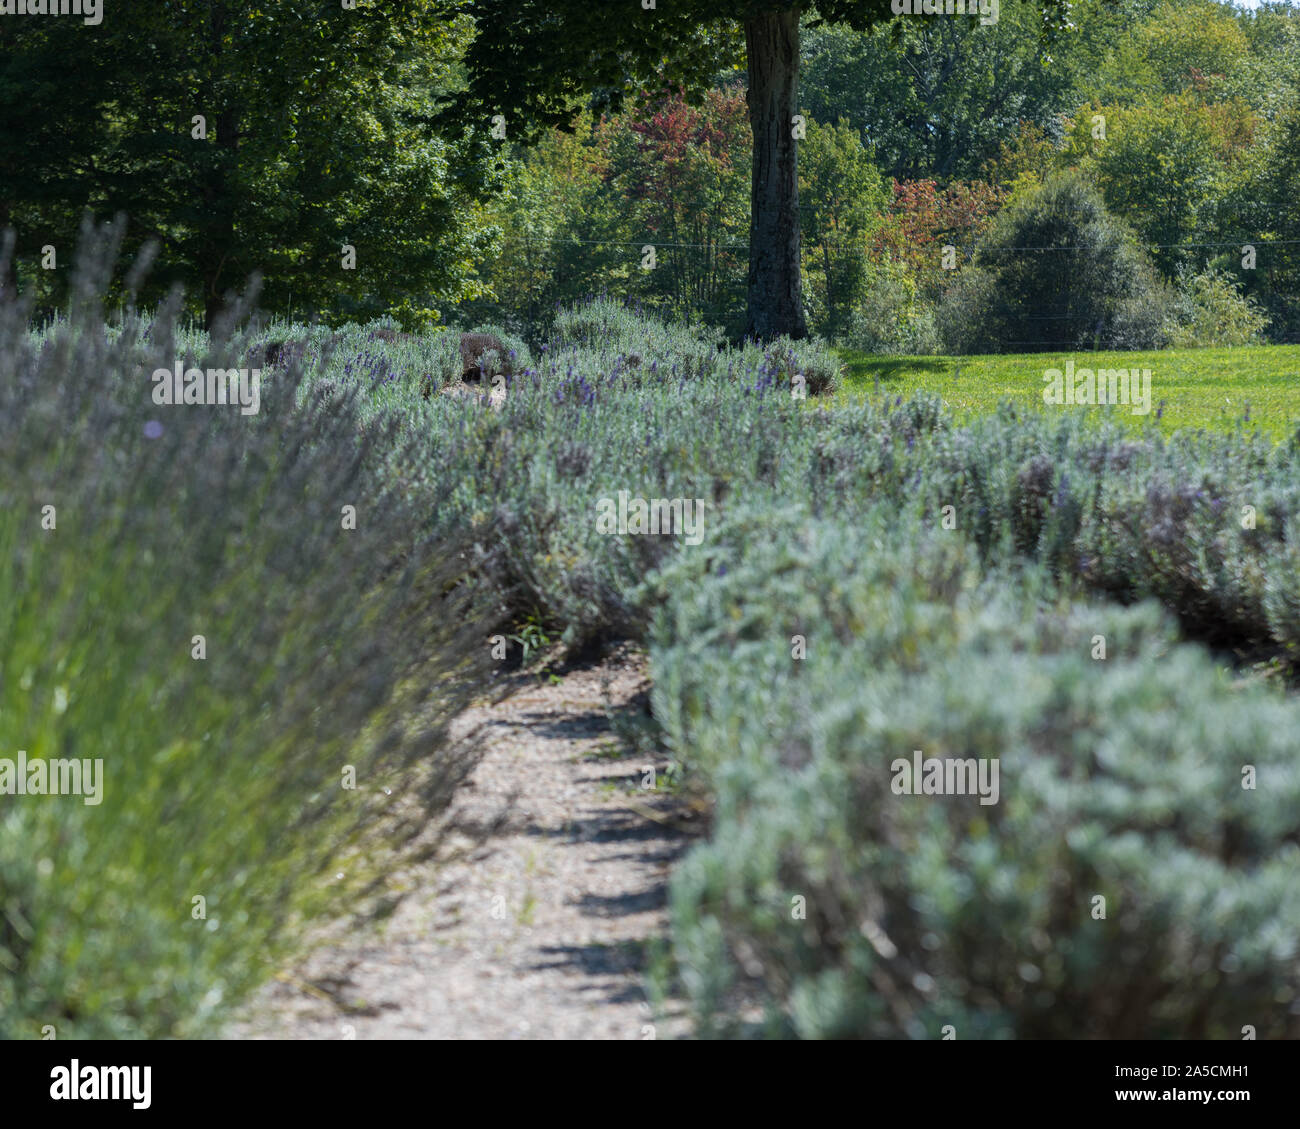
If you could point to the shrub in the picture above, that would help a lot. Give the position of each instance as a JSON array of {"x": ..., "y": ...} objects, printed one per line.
[
  {"x": 782, "y": 359},
  {"x": 602, "y": 320},
  {"x": 474, "y": 517},
  {"x": 325, "y": 648},
  {"x": 827, "y": 905},
  {"x": 388, "y": 366},
  {"x": 1210, "y": 310},
  {"x": 1206, "y": 524},
  {"x": 663, "y": 429},
  {"x": 517, "y": 356},
  {"x": 1140, "y": 321},
  {"x": 889, "y": 318},
  {"x": 961, "y": 317},
  {"x": 1055, "y": 269}
]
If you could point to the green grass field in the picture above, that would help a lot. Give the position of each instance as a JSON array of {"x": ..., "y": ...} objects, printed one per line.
[{"x": 1218, "y": 389}]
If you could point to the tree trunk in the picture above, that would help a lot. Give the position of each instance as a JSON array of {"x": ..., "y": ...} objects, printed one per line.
[
  {"x": 8, "y": 271},
  {"x": 775, "y": 289},
  {"x": 217, "y": 240}
]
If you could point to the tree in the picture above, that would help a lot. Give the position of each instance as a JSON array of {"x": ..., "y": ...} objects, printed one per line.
[
  {"x": 1262, "y": 210},
  {"x": 1197, "y": 45},
  {"x": 314, "y": 134},
  {"x": 1160, "y": 166},
  {"x": 1270, "y": 78},
  {"x": 578, "y": 208},
  {"x": 924, "y": 219},
  {"x": 681, "y": 172},
  {"x": 534, "y": 62},
  {"x": 844, "y": 202},
  {"x": 554, "y": 220},
  {"x": 1056, "y": 270},
  {"x": 938, "y": 96}
]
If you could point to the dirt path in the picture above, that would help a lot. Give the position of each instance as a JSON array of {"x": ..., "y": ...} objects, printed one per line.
[{"x": 543, "y": 931}]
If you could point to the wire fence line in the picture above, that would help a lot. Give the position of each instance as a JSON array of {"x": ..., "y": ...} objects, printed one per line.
[
  {"x": 720, "y": 271},
  {"x": 650, "y": 241}
]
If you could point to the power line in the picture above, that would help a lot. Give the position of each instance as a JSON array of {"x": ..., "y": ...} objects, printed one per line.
[
  {"x": 563, "y": 240},
  {"x": 649, "y": 241},
  {"x": 1154, "y": 246}
]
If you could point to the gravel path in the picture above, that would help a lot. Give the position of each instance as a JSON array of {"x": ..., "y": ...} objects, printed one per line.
[{"x": 542, "y": 931}]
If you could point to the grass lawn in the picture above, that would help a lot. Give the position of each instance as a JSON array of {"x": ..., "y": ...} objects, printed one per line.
[{"x": 1218, "y": 389}]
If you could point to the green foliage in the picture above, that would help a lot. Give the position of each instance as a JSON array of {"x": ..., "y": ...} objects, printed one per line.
[
  {"x": 581, "y": 207},
  {"x": 1024, "y": 161},
  {"x": 935, "y": 97},
  {"x": 826, "y": 904},
  {"x": 553, "y": 204},
  {"x": 1262, "y": 204},
  {"x": 1159, "y": 167},
  {"x": 844, "y": 200},
  {"x": 1211, "y": 310},
  {"x": 1055, "y": 270},
  {"x": 1270, "y": 77},
  {"x": 1183, "y": 163},
  {"x": 223, "y": 776},
  {"x": 1189, "y": 46},
  {"x": 1243, "y": 388},
  {"x": 532, "y": 639},
  {"x": 317, "y": 136},
  {"x": 889, "y": 316},
  {"x": 547, "y": 58},
  {"x": 684, "y": 174}
]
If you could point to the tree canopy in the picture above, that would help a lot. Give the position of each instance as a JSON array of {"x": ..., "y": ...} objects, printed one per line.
[
  {"x": 534, "y": 62},
  {"x": 245, "y": 140}
]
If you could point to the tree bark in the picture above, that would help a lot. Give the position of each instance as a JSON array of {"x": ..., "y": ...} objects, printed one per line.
[
  {"x": 8, "y": 271},
  {"x": 775, "y": 288},
  {"x": 217, "y": 243}
]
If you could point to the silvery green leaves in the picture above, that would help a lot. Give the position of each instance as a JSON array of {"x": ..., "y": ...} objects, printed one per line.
[
  {"x": 1128, "y": 866},
  {"x": 186, "y": 602}
]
